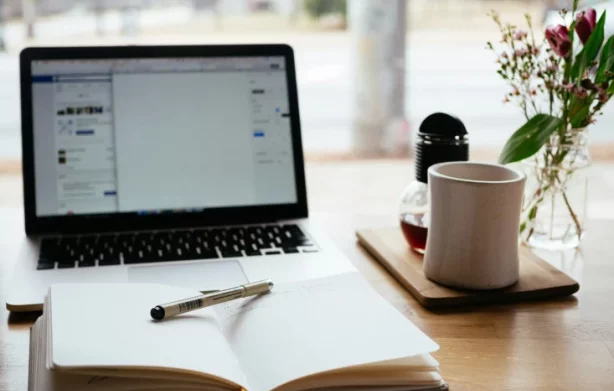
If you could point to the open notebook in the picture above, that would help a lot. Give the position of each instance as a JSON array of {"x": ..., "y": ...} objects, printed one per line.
[{"x": 328, "y": 333}]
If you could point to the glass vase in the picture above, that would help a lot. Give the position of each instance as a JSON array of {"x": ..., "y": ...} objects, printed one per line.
[{"x": 554, "y": 209}]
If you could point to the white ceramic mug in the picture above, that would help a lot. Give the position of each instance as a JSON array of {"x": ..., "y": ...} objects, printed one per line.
[{"x": 472, "y": 239}]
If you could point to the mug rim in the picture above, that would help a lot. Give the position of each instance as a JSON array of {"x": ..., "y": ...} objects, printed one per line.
[{"x": 520, "y": 176}]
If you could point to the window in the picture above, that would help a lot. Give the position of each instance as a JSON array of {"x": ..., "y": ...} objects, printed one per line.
[{"x": 440, "y": 65}]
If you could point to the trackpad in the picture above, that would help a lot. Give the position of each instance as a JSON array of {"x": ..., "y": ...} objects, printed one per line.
[{"x": 198, "y": 275}]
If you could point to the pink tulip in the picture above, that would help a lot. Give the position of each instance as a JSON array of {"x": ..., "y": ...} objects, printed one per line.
[
  {"x": 558, "y": 38},
  {"x": 585, "y": 24}
]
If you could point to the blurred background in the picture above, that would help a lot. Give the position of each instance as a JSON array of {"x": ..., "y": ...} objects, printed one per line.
[{"x": 369, "y": 71}]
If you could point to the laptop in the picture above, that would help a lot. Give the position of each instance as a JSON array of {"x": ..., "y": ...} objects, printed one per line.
[{"x": 178, "y": 165}]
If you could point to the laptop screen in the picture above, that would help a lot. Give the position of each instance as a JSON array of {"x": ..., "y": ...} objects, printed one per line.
[{"x": 160, "y": 135}]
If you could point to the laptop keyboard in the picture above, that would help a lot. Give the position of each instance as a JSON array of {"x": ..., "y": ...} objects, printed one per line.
[{"x": 164, "y": 246}]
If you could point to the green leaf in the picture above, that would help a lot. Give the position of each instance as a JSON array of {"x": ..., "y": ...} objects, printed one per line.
[
  {"x": 579, "y": 109},
  {"x": 571, "y": 31},
  {"x": 590, "y": 50},
  {"x": 595, "y": 40},
  {"x": 606, "y": 60},
  {"x": 577, "y": 120},
  {"x": 527, "y": 140},
  {"x": 533, "y": 212}
]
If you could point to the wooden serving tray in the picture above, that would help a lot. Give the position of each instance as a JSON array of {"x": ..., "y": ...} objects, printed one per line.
[{"x": 538, "y": 279}]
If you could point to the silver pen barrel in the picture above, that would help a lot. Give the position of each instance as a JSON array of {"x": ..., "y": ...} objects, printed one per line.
[{"x": 167, "y": 310}]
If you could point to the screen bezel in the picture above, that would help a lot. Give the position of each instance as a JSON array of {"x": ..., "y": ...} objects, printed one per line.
[{"x": 128, "y": 221}]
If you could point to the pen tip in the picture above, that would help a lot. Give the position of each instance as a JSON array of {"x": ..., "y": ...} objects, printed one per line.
[{"x": 157, "y": 313}]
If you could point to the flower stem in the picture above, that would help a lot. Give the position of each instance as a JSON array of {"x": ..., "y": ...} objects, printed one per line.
[{"x": 571, "y": 212}]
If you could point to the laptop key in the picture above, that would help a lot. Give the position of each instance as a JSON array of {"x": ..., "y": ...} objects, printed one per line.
[
  {"x": 202, "y": 252},
  {"x": 290, "y": 250},
  {"x": 292, "y": 231},
  {"x": 105, "y": 260},
  {"x": 231, "y": 253},
  {"x": 108, "y": 262},
  {"x": 125, "y": 241},
  {"x": 162, "y": 254},
  {"x": 86, "y": 263},
  {"x": 232, "y": 231},
  {"x": 68, "y": 246},
  {"x": 87, "y": 241},
  {"x": 205, "y": 253},
  {"x": 45, "y": 265},
  {"x": 49, "y": 247},
  {"x": 220, "y": 232},
  {"x": 181, "y": 255},
  {"x": 143, "y": 237},
  {"x": 300, "y": 242},
  {"x": 66, "y": 265},
  {"x": 273, "y": 252},
  {"x": 138, "y": 255},
  {"x": 200, "y": 233}
]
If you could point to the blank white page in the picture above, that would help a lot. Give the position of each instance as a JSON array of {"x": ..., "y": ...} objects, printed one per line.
[
  {"x": 109, "y": 326},
  {"x": 308, "y": 327}
]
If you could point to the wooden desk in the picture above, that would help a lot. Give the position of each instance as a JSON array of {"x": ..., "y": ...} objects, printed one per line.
[{"x": 558, "y": 345}]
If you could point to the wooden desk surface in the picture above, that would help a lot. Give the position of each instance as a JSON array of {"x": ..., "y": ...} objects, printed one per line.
[{"x": 558, "y": 345}]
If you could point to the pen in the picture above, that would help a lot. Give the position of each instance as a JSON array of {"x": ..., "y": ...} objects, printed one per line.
[{"x": 167, "y": 310}]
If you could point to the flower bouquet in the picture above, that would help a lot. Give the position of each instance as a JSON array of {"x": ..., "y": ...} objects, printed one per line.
[{"x": 560, "y": 85}]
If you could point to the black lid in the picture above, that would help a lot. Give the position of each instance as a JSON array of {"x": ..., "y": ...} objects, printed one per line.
[{"x": 442, "y": 138}]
